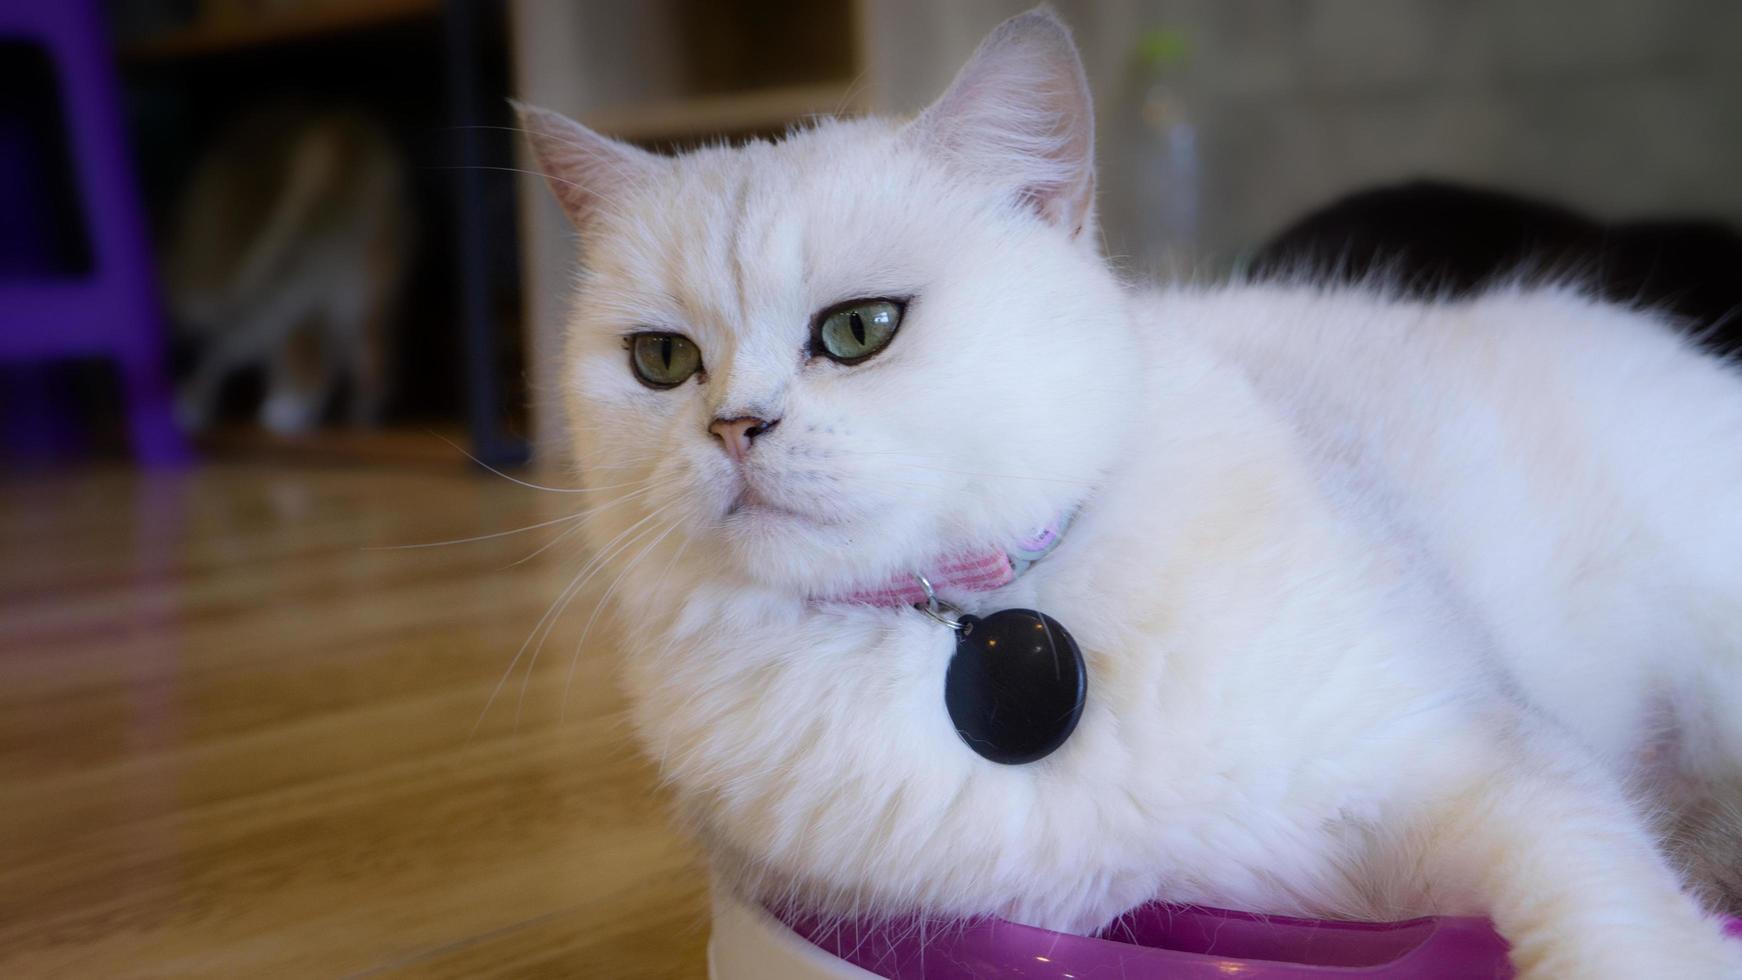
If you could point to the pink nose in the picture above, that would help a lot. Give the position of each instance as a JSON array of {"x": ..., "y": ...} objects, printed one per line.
[{"x": 737, "y": 434}]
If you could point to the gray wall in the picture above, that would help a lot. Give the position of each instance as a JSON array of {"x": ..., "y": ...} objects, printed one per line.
[{"x": 1621, "y": 107}]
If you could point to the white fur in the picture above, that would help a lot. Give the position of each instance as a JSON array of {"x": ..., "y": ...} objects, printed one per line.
[{"x": 1389, "y": 608}]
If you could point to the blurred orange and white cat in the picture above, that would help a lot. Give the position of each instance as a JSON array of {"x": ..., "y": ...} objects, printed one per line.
[{"x": 288, "y": 252}]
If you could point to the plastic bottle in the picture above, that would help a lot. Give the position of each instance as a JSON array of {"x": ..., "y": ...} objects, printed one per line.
[{"x": 1159, "y": 178}]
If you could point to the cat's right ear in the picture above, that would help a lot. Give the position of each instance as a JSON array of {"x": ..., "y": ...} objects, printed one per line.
[
  {"x": 1019, "y": 114},
  {"x": 586, "y": 171}
]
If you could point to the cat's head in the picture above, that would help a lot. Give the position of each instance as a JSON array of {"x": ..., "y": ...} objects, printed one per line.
[{"x": 822, "y": 360}]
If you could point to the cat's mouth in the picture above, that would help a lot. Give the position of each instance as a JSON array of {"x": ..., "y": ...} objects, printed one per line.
[{"x": 751, "y": 502}]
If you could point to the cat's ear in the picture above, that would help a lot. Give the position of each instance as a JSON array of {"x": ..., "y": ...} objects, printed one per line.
[
  {"x": 585, "y": 170},
  {"x": 1020, "y": 113}
]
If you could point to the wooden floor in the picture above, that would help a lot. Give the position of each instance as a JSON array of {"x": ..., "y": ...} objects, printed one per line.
[{"x": 236, "y": 743}]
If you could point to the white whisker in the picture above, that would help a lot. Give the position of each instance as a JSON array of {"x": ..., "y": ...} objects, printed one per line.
[
  {"x": 541, "y": 549},
  {"x": 597, "y": 564},
  {"x": 523, "y": 483},
  {"x": 562, "y": 712},
  {"x": 562, "y": 598},
  {"x": 480, "y": 537}
]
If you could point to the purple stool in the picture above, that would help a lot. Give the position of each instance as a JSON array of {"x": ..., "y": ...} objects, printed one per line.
[{"x": 110, "y": 309}]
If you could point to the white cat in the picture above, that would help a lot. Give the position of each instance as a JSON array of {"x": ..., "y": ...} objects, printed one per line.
[{"x": 1388, "y": 608}]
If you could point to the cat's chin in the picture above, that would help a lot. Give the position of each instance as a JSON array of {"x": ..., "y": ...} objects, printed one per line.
[{"x": 803, "y": 553}]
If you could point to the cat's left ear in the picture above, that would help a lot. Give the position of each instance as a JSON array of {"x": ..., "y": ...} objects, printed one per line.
[
  {"x": 585, "y": 170},
  {"x": 1020, "y": 113}
]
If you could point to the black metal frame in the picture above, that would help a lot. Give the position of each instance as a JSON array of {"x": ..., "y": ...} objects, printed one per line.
[{"x": 475, "y": 228}]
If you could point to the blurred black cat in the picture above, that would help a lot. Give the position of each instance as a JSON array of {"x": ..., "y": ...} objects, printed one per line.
[{"x": 1443, "y": 239}]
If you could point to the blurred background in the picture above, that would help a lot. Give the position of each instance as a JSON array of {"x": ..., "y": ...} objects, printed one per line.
[
  {"x": 271, "y": 271},
  {"x": 336, "y": 242}
]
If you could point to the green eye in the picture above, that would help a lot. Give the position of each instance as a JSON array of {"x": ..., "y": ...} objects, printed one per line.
[
  {"x": 663, "y": 360},
  {"x": 853, "y": 331}
]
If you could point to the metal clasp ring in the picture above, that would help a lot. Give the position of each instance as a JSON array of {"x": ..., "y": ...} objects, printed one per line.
[{"x": 934, "y": 607}]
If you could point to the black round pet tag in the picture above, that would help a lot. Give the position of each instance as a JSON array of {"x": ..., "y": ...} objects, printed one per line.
[{"x": 1015, "y": 685}]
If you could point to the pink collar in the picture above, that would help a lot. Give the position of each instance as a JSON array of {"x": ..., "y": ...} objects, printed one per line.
[{"x": 973, "y": 571}]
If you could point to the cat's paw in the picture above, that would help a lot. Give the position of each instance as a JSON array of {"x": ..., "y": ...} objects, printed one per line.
[{"x": 288, "y": 414}]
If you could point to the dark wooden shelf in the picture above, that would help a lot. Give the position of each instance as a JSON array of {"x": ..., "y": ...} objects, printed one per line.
[{"x": 317, "y": 20}]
